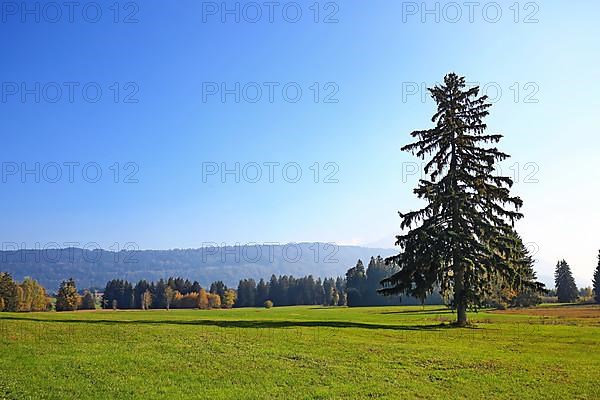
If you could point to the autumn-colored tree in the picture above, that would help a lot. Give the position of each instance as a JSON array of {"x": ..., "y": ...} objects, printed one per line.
[
  {"x": 189, "y": 300},
  {"x": 177, "y": 300},
  {"x": 40, "y": 301},
  {"x": 214, "y": 300},
  {"x": 203, "y": 300},
  {"x": 27, "y": 293},
  {"x": 335, "y": 297},
  {"x": 22, "y": 305},
  {"x": 230, "y": 298},
  {"x": 67, "y": 297},
  {"x": 170, "y": 296},
  {"x": 31, "y": 296},
  {"x": 146, "y": 300}
]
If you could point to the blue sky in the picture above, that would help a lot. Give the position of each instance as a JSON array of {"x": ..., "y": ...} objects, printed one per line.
[{"x": 164, "y": 125}]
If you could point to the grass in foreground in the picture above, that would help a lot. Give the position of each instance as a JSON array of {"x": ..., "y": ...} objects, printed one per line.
[{"x": 301, "y": 353}]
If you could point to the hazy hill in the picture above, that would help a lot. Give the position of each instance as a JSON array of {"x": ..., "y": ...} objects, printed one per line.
[{"x": 229, "y": 264}]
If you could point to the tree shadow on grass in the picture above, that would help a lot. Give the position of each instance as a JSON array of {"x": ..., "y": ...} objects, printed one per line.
[{"x": 240, "y": 324}]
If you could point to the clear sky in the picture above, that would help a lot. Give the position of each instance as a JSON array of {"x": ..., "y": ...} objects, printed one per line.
[{"x": 168, "y": 121}]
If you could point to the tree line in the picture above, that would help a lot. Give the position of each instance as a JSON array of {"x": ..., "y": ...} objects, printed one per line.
[
  {"x": 290, "y": 291},
  {"x": 166, "y": 294},
  {"x": 360, "y": 287},
  {"x": 210, "y": 263}
]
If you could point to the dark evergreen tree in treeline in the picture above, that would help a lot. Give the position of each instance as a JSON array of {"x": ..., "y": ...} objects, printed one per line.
[
  {"x": 355, "y": 284},
  {"x": 119, "y": 293},
  {"x": 318, "y": 292},
  {"x": 262, "y": 293},
  {"x": 596, "y": 281},
  {"x": 363, "y": 286},
  {"x": 138, "y": 293},
  {"x": 459, "y": 240},
  {"x": 195, "y": 287},
  {"x": 122, "y": 294},
  {"x": 376, "y": 272},
  {"x": 288, "y": 291},
  {"x": 247, "y": 293},
  {"x": 185, "y": 286},
  {"x": 159, "y": 294},
  {"x": 566, "y": 289}
]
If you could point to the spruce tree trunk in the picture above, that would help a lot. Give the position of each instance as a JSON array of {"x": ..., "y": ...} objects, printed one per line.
[{"x": 459, "y": 297}]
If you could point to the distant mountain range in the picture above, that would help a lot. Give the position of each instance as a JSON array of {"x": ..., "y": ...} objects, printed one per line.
[{"x": 93, "y": 268}]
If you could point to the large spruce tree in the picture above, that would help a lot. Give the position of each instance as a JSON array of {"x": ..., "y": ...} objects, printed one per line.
[
  {"x": 461, "y": 240},
  {"x": 596, "y": 281},
  {"x": 566, "y": 289}
]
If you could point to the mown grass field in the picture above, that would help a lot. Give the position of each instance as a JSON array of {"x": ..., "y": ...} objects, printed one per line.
[{"x": 301, "y": 353}]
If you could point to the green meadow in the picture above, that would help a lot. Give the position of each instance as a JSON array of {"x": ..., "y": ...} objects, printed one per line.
[{"x": 301, "y": 353}]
